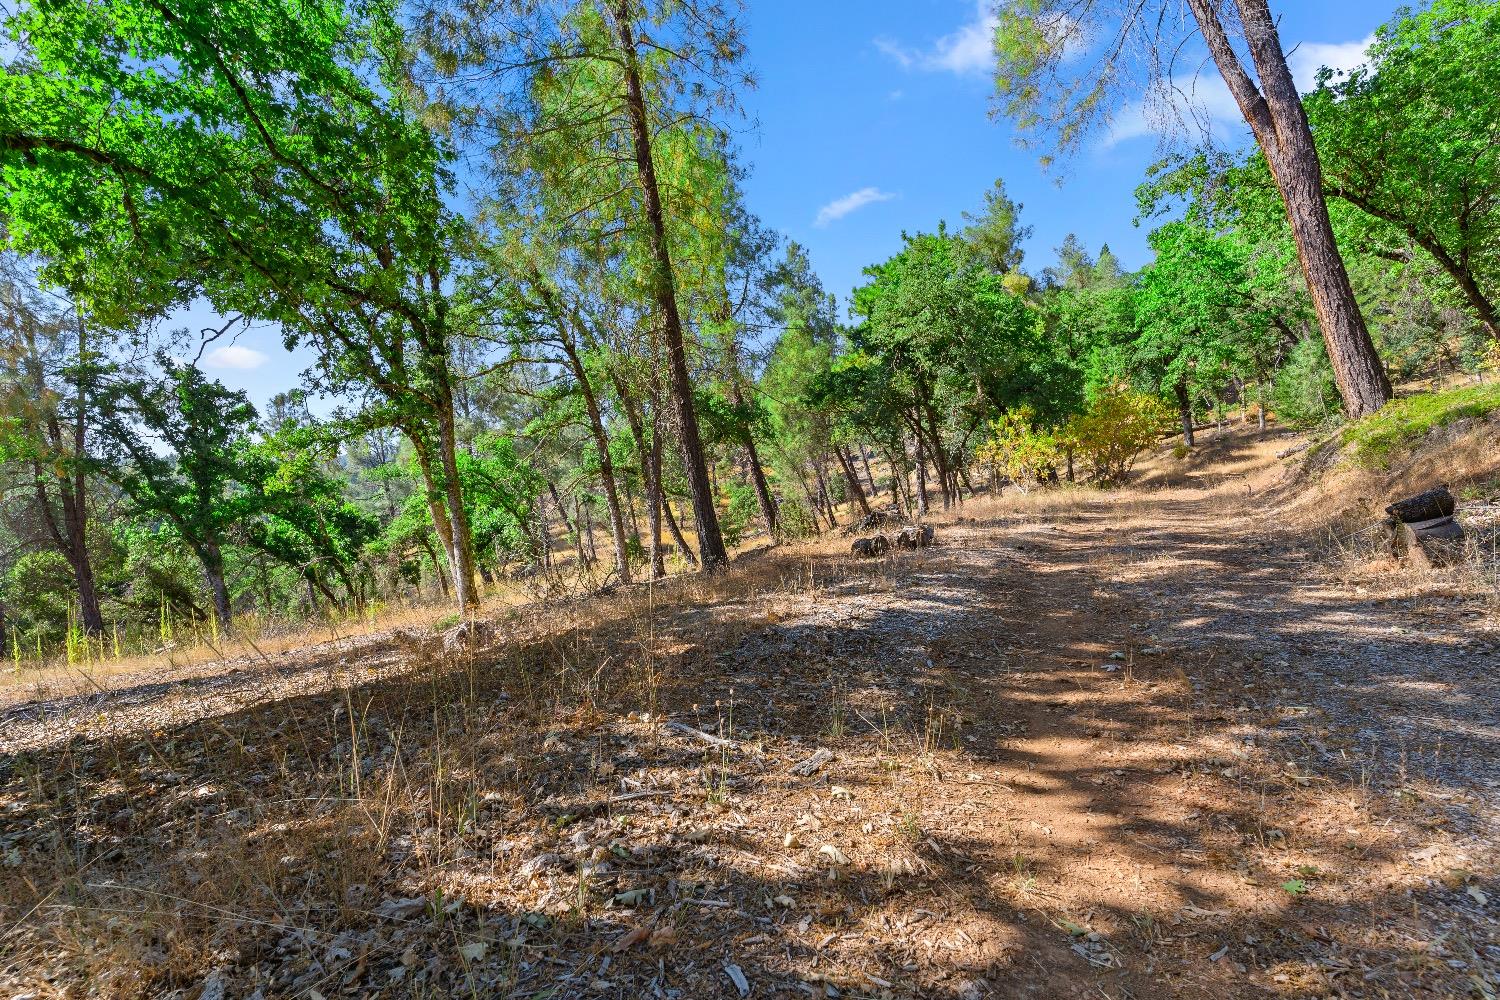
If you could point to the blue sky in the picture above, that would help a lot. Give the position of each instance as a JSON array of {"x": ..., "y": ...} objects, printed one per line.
[{"x": 872, "y": 118}]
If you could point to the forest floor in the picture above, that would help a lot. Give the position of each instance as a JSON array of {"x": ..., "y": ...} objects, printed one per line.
[{"x": 1145, "y": 743}]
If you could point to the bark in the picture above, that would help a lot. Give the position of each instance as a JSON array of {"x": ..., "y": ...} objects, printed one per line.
[
  {"x": 677, "y": 538},
  {"x": 562, "y": 511},
  {"x": 824, "y": 496},
  {"x": 213, "y": 572},
  {"x": 650, "y": 453},
  {"x": 1185, "y": 412},
  {"x": 606, "y": 463},
  {"x": 71, "y": 537},
  {"x": 758, "y": 478},
  {"x": 856, "y": 491},
  {"x": 864, "y": 456},
  {"x": 437, "y": 566},
  {"x": 1275, "y": 114},
  {"x": 654, "y": 501},
  {"x": 458, "y": 516},
  {"x": 921, "y": 480},
  {"x": 710, "y": 540}
]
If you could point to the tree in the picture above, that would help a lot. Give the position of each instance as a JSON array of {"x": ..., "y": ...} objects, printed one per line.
[
  {"x": 1186, "y": 305},
  {"x": 1413, "y": 139},
  {"x": 946, "y": 343},
  {"x": 1034, "y": 41},
  {"x": 282, "y": 171},
  {"x": 195, "y": 489},
  {"x": 46, "y": 377},
  {"x": 996, "y": 233},
  {"x": 606, "y": 87}
]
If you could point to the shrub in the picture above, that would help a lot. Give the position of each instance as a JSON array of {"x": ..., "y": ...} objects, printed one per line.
[
  {"x": 1115, "y": 429},
  {"x": 743, "y": 508},
  {"x": 1304, "y": 392},
  {"x": 1017, "y": 449}
]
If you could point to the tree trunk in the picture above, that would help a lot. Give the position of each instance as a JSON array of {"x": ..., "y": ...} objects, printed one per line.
[
  {"x": 458, "y": 515},
  {"x": 213, "y": 572},
  {"x": 437, "y": 566},
  {"x": 921, "y": 480},
  {"x": 1185, "y": 411},
  {"x": 710, "y": 541},
  {"x": 864, "y": 456},
  {"x": 1279, "y": 122},
  {"x": 562, "y": 510},
  {"x": 676, "y": 531},
  {"x": 758, "y": 476},
  {"x": 606, "y": 462},
  {"x": 654, "y": 499},
  {"x": 856, "y": 491},
  {"x": 825, "y": 496}
]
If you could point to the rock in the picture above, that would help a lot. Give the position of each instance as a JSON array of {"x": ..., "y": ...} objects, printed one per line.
[
  {"x": 869, "y": 548},
  {"x": 467, "y": 636}
]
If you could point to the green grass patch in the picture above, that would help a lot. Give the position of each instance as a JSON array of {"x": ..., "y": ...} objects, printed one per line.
[{"x": 1402, "y": 422}]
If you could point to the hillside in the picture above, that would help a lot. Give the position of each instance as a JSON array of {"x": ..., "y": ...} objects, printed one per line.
[{"x": 1160, "y": 741}]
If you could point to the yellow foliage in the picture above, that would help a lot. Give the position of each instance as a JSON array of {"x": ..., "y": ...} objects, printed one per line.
[{"x": 1115, "y": 429}]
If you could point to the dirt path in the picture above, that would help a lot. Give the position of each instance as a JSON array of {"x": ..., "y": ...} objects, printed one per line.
[{"x": 1136, "y": 745}]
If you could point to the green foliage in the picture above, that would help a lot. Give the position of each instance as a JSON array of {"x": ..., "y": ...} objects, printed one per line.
[
  {"x": 1303, "y": 393},
  {"x": 1403, "y": 422},
  {"x": 1116, "y": 428},
  {"x": 1412, "y": 140},
  {"x": 37, "y": 593},
  {"x": 1019, "y": 450},
  {"x": 740, "y": 513}
]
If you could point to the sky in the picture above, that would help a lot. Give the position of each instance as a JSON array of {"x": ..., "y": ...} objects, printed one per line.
[{"x": 874, "y": 118}]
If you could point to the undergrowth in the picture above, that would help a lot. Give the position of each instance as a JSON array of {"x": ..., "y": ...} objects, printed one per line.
[{"x": 1403, "y": 421}]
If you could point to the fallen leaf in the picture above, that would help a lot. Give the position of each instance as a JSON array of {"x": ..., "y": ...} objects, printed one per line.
[{"x": 631, "y": 938}]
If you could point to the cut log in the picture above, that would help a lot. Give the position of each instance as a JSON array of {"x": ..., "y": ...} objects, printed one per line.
[
  {"x": 1434, "y": 543},
  {"x": 1435, "y": 503}
]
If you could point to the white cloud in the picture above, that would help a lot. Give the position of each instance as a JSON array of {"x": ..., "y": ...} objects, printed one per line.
[
  {"x": 970, "y": 49},
  {"x": 1203, "y": 101},
  {"x": 1306, "y": 59},
  {"x": 234, "y": 356},
  {"x": 840, "y": 207}
]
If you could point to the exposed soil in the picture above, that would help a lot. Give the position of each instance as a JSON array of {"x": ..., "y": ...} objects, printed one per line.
[{"x": 1135, "y": 744}]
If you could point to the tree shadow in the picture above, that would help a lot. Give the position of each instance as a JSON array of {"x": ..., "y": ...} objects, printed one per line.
[{"x": 1004, "y": 814}]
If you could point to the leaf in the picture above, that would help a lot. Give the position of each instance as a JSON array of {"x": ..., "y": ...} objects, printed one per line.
[
  {"x": 631, "y": 938},
  {"x": 1295, "y": 886}
]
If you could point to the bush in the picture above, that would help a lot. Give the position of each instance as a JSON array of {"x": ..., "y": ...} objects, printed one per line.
[
  {"x": 1115, "y": 429},
  {"x": 743, "y": 508},
  {"x": 1304, "y": 392},
  {"x": 1018, "y": 450}
]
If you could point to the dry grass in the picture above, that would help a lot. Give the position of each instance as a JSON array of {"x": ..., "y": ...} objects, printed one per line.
[{"x": 389, "y": 814}]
